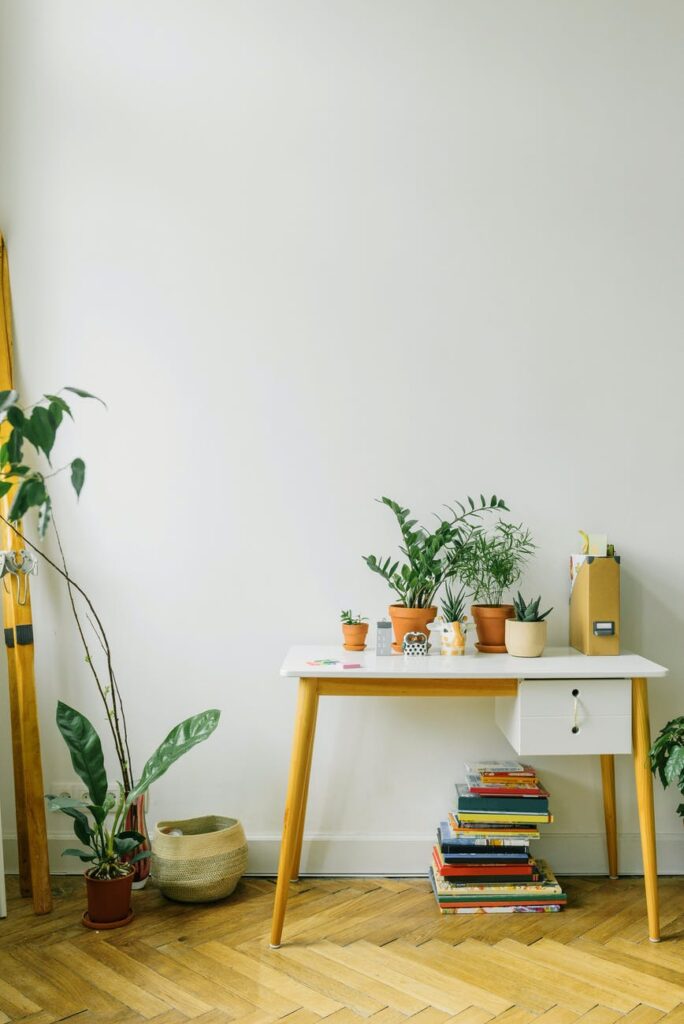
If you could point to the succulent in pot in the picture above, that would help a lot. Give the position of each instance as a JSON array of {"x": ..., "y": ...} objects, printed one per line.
[
  {"x": 490, "y": 564},
  {"x": 453, "y": 639},
  {"x": 526, "y": 633},
  {"x": 432, "y": 558},
  {"x": 99, "y": 823},
  {"x": 354, "y": 630}
]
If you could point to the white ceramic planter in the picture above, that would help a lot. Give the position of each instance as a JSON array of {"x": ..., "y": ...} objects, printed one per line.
[{"x": 525, "y": 639}]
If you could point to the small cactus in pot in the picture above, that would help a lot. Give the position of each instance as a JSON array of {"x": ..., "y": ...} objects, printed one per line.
[{"x": 526, "y": 633}]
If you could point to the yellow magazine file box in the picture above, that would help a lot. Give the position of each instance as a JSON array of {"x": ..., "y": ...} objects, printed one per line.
[{"x": 595, "y": 604}]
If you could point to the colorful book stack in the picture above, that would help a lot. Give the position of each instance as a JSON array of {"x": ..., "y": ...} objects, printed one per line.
[{"x": 481, "y": 863}]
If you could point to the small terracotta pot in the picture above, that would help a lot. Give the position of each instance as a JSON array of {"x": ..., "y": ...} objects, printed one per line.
[
  {"x": 109, "y": 900},
  {"x": 525, "y": 639},
  {"x": 355, "y": 636},
  {"x": 490, "y": 622},
  {"x": 409, "y": 620}
]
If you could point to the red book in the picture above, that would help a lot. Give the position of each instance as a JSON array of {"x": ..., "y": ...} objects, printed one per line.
[{"x": 520, "y": 872}]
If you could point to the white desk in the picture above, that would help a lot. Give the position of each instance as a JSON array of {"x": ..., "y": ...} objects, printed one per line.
[{"x": 587, "y": 705}]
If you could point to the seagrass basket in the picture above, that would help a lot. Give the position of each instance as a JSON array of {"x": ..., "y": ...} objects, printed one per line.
[{"x": 205, "y": 863}]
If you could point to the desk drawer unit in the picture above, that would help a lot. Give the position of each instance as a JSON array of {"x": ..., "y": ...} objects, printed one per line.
[{"x": 568, "y": 716}]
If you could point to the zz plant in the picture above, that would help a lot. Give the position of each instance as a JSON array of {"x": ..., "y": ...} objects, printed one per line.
[
  {"x": 430, "y": 558},
  {"x": 110, "y": 847}
]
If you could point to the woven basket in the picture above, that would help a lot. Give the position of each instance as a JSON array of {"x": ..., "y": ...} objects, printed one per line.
[{"x": 204, "y": 864}]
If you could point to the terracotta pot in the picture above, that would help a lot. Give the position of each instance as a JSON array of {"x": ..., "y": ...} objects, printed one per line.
[
  {"x": 490, "y": 622},
  {"x": 525, "y": 639},
  {"x": 109, "y": 900},
  {"x": 409, "y": 620},
  {"x": 355, "y": 636}
]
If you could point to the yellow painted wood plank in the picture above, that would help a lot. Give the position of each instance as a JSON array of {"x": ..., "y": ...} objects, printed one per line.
[
  {"x": 89, "y": 968},
  {"x": 406, "y": 1002}
]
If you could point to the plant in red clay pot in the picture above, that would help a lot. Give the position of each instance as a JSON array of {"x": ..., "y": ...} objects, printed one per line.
[
  {"x": 431, "y": 560},
  {"x": 112, "y": 848},
  {"x": 354, "y": 630},
  {"x": 490, "y": 564}
]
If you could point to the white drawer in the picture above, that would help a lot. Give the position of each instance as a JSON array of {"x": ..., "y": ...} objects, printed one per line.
[{"x": 568, "y": 716}]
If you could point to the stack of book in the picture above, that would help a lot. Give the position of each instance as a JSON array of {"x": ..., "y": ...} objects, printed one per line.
[{"x": 481, "y": 863}]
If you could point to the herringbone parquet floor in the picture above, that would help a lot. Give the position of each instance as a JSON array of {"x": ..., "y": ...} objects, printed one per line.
[{"x": 356, "y": 949}]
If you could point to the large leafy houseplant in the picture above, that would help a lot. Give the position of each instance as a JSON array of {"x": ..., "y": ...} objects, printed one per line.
[
  {"x": 667, "y": 757},
  {"x": 110, "y": 847},
  {"x": 431, "y": 559},
  {"x": 26, "y": 484}
]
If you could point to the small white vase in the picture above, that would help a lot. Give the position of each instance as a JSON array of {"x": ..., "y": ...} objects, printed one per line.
[{"x": 525, "y": 639}]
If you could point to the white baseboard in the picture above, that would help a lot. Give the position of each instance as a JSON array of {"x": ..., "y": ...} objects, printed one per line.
[{"x": 569, "y": 854}]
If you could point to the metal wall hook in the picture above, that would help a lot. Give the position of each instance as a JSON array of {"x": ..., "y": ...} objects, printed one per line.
[{"x": 21, "y": 563}]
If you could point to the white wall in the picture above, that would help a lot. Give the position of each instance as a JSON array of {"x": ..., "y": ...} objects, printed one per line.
[{"x": 312, "y": 253}]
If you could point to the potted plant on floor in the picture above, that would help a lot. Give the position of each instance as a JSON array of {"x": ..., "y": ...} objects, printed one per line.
[
  {"x": 489, "y": 565},
  {"x": 431, "y": 560},
  {"x": 28, "y": 487},
  {"x": 354, "y": 630},
  {"x": 667, "y": 757},
  {"x": 453, "y": 613},
  {"x": 113, "y": 849},
  {"x": 526, "y": 633}
]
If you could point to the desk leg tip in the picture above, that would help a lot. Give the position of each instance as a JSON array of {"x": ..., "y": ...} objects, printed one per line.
[
  {"x": 272, "y": 946},
  {"x": 613, "y": 878},
  {"x": 651, "y": 939}
]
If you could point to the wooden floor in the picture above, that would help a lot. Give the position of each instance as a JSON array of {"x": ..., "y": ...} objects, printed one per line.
[{"x": 355, "y": 949}]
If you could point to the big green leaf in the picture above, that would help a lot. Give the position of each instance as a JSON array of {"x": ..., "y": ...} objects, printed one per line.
[
  {"x": 85, "y": 749},
  {"x": 40, "y": 430},
  {"x": 79, "y": 853},
  {"x": 77, "y": 475},
  {"x": 180, "y": 740},
  {"x": 56, "y": 400},
  {"x": 85, "y": 394},
  {"x": 7, "y": 399}
]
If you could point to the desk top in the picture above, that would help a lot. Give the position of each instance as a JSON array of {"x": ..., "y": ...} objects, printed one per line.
[{"x": 555, "y": 663}]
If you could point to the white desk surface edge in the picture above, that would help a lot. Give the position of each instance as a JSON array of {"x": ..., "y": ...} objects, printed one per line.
[{"x": 555, "y": 663}]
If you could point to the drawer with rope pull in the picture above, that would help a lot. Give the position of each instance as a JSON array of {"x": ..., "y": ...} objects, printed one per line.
[{"x": 568, "y": 716}]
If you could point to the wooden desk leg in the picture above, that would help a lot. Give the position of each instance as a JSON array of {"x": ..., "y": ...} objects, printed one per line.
[
  {"x": 294, "y": 871},
  {"x": 641, "y": 742},
  {"x": 609, "y": 811},
  {"x": 305, "y": 725}
]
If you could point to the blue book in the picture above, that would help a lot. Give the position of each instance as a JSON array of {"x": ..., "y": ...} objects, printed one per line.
[
  {"x": 477, "y": 848},
  {"x": 468, "y": 802}
]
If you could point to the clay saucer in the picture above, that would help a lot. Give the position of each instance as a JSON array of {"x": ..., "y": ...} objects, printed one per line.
[
  {"x": 491, "y": 648},
  {"x": 106, "y": 925}
]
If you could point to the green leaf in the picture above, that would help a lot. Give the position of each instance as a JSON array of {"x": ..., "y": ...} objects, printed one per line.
[
  {"x": 180, "y": 740},
  {"x": 31, "y": 493},
  {"x": 85, "y": 857},
  {"x": 5, "y": 487},
  {"x": 15, "y": 417},
  {"x": 85, "y": 394},
  {"x": 40, "y": 430},
  {"x": 14, "y": 446},
  {"x": 7, "y": 400},
  {"x": 140, "y": 856},
  {"x": 85, "y": 750},
  {"x": 56, "y": 413},
  {"x": 64, "y": 803},
  {"x": 130, "y": 833},
  {"x": 77, "y": 475},
  {"x": 56, "y": 400},
  {"x": 675, "y": 765},
  {"x": 124, "y": 846}
]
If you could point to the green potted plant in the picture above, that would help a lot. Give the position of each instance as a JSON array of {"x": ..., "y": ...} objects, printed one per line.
[
  {"x": 453, "y": 614},
  {"x": 432, "y": 558},
  {"x": 489, "y": 565},
  {"x": 526, "y": 633},
  {"x": 354, "y": 630},
  {"x": 111, "y": 848},
  {"x": 27, "y": 485},
  {"x": 667, "y": 757}
]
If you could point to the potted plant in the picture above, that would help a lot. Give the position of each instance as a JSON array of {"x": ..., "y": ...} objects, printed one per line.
[
  {"x": 489, "y": 565},
  {"x": 354, "y": 630},
  {"x": 112, "y": 849},
  {"x": 526, "y": 633},
  {"x": 431, "y": 560},
  {"x": 667, "y": 757},
  {"x": 453, "y": 614},
  {"x": 28, "y": 487}
]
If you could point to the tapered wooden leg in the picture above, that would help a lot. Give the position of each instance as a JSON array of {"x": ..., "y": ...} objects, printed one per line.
[
  {"x": 641, "y": 742},
  {"x": 609, "y": 811},
  {"x": 305, "y": 725},
  {"x": 19, "y": 775},
  {"x": 294, "y": 871}
]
